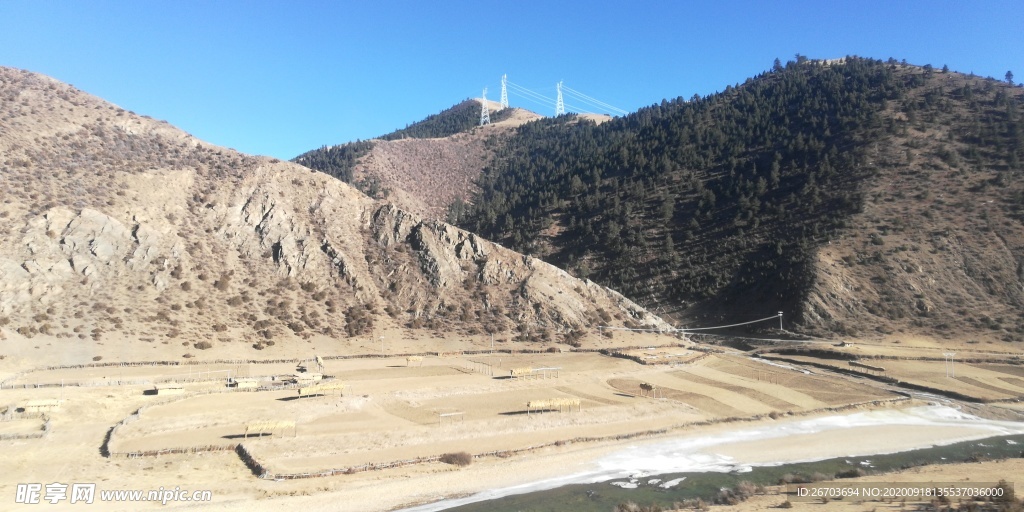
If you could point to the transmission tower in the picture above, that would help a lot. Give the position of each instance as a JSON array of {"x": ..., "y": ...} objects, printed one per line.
[
  {"x": 485, "y": 117},
  {"x": 559, "y": 105},
  {"x": 504, "y": 91}
]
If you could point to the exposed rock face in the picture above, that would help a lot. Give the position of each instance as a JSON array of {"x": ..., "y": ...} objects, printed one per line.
[
  {"x": 163, "y": 237},
  {"x": 453, "y": 259}
]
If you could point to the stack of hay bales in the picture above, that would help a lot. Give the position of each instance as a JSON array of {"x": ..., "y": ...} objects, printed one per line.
[
  {"x": 525, "y": 371},
  {"x": 259, "y": 427},
  {"x": 553, "y": 403}
]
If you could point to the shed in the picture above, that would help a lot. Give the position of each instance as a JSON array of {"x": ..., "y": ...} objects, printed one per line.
[
  {"x": 40, "y": 405},
  {"x": 170, "y": 388},
  {"x": 244, "y": 383}
]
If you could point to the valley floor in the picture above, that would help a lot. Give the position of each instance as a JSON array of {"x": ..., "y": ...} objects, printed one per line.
[{"x": 380, "y": 438}]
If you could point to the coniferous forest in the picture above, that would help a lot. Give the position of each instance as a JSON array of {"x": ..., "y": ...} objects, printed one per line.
[{"x": 722, "y": 200}]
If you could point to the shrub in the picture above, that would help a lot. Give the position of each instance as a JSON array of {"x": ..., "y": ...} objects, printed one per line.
[
  {"x": 203, "y": 345},
  {"x": 97, "y": 358},
  {"x": 851, "y": 473},
  {"x": 358, "y": 321},
  {"x": 223, "y": 283},
  {"x": 574, "y": 337},
  {"x": 790, "y": 478},
  {"x": 457, "y": 459}
]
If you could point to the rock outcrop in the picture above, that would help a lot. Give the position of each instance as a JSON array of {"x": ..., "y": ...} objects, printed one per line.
[{"x": 162, "y": 237}]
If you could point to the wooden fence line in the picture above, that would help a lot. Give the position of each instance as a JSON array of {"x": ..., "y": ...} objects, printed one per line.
[
  {"x": 134, "y": 364},
  {"x": 44, "y": 431},
  {"x": 265, "y": 473}
]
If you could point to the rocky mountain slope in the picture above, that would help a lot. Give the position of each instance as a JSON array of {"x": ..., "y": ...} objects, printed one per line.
[{"x": 118, "y": 225}]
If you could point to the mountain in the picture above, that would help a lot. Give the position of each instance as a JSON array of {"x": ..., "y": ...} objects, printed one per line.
[
  {"x": 858, "y": 196},
  {"x": 449, "y": 144},
  {"x": 120, "y": 230}
]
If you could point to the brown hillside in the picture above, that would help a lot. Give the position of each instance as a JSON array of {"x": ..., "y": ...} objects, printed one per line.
[
  {"x": 116, "y": 226},
  {"x": 424, "y": 176},
  {"x": 939, "y": 244}
]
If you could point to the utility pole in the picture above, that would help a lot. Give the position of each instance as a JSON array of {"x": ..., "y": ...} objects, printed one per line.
[
  {"x": 780, "y": 320},
  {"x": 504, "y": 91},
  {"x": 485, "y": 117},
  {"x": 950, "y": 369},
  {"x": 559, "y": 105}
]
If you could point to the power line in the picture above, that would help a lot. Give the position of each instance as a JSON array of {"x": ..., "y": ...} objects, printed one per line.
[
  {"x": 580, "y": 110},
  {"x": 594, "y": 101},
  {"x": 686, "y": 330},
  {"x": 546, "y": 104},
  {"x": 524, "y": 91},
  {"x": 730, "y": 325},
  {"x": 558, "y": 102}
]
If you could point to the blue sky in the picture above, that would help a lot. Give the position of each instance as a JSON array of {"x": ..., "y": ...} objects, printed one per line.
[{"x": 279, "y": 78}]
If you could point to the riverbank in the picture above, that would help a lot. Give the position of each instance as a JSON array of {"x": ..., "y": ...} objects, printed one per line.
[
  {"x": 1008, "y": 469},
  {"x": 720, "y": 447}
]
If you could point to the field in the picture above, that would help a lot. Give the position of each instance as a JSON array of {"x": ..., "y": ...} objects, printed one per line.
[
  {"x": 396, "y": 416},
  {"x": 987, "y": 382}
]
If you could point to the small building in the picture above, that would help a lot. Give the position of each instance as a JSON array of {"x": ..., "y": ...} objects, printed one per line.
[
  {"x": 41, "y": 405},
  {"x": 307, "y": 378},
  {"x": 244, "y": 383},
  {"x": 170, "y": 388}
]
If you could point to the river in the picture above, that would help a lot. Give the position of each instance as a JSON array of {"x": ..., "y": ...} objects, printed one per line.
[{"x": 701, "y": 463}]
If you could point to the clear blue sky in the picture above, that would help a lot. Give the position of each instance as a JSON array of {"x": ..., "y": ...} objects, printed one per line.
[{"x": 278, "y": 78}]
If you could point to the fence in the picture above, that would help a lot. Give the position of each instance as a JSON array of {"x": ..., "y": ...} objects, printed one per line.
[
  {"x": 43, "y": 431},
  {"x": 132, "y": 364}
]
